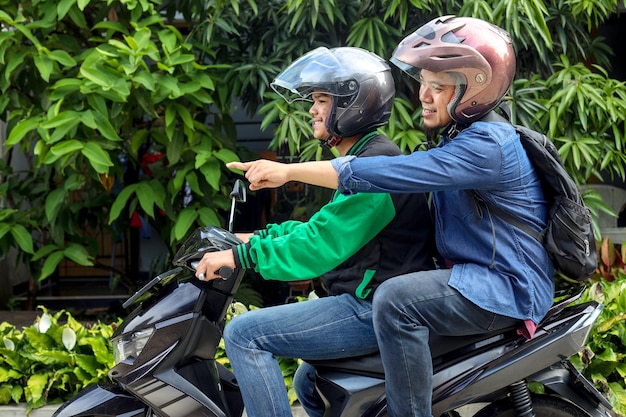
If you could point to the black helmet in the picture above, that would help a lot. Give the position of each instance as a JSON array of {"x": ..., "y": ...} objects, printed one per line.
[
  {"x": 359, "y": 81},
  {"x": 479, "y": 53}
]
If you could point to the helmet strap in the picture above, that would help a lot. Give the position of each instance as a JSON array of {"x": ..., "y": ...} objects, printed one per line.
[
  {"x": 454, "y": 128},
  {"x": 332, "y": 141}
]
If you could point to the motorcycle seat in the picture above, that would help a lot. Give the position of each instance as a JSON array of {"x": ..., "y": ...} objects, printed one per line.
[{"x": 440, "y": 346}]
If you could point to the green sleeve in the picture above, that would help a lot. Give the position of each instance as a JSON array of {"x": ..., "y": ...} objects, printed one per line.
[
  {"x": 284, "y": 228},
  {"x": 333, "y": 234}
]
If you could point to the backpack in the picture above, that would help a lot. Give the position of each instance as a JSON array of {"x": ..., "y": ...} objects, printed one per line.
[{"x": 569, "y": 236}]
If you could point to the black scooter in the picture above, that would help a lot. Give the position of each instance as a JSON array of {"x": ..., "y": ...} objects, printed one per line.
[{"x": 165, "y": 357}]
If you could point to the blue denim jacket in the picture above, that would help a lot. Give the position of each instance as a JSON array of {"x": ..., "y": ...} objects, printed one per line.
[{"x": 496, "y": 265}]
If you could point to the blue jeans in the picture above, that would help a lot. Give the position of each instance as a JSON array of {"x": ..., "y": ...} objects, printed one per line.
[
  {"x": 326, "y": 328},
  {"x": 304, "y": 385},
  {"x": 406, "y": 309}
]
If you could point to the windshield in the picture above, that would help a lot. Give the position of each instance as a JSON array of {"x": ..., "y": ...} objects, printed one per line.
[{"x": 202, "y": 240}]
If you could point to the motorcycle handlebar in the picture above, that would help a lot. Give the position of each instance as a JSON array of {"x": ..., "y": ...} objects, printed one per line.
[{"x": 226, "y": 272}]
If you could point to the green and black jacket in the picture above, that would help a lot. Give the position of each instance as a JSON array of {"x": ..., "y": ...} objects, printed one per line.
[{"x": 353, "y": 243}]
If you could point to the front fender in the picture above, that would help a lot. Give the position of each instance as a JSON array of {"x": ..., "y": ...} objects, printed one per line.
[{"x": 102, "y": 400}]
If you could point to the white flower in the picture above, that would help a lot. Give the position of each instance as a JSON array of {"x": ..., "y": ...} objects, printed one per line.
[
  {"x": 44, "y": 323},
  {"x": 69, "y": 338},
  {"x": 8, "y": 343}
]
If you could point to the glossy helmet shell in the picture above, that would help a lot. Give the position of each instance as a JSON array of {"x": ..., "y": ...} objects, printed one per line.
[
  {"x": 478, "y": 53},
  {"x": 359, "y": 81}
]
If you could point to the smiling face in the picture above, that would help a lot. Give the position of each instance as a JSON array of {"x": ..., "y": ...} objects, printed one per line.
[
  {"x": 436, "y": 91},
  {"x": 320, "y": 111}
]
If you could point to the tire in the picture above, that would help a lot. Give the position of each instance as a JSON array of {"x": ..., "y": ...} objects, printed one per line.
[{"x": 543, "y": 405}]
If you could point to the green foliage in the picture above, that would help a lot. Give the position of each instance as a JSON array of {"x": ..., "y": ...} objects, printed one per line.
[
  {"x": 295, "y": 124},
  {"x": 602, "y": 360},
  {"x": 404, "y": 127},
  {"x": 581, "y": 110},
  {"x": 108, "y": 109},
  {"x": 52, "y": 360}
]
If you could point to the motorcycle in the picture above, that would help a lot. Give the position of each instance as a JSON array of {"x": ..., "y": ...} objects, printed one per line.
[{"x": 166, "y": 366}]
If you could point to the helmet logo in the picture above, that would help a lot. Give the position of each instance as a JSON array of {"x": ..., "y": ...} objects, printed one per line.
[{"x": 480, "y": 78}]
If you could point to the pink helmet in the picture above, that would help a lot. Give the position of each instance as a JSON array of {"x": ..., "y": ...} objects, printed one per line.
[{"x": 478, "y": 53}]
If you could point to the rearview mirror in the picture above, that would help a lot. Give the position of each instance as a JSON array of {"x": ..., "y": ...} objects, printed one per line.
[{"x": 239, "y": 193}]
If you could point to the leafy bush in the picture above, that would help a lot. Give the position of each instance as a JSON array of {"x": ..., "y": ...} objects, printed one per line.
[
  {"x": 111, "y": 115},
  {"x": 52, "y": 360},
  {"x": 602, "y": 360}
]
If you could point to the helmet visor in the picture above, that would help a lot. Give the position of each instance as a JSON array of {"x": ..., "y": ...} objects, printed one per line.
[
  {"x": 456, "y": 79},
  {"x": 409, "y": 69},
  {"x": 317, "y": 71}
]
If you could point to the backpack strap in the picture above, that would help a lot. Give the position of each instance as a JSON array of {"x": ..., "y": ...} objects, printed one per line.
[
  {"x": 506, "y": 216},
  {"x": 493, "y": 116}
]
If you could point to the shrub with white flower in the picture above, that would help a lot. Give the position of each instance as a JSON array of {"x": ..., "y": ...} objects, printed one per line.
[{"x": 53, "y": 359}]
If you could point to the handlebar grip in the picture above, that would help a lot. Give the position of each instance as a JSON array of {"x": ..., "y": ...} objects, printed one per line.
[{"x": 225, "y": 272}]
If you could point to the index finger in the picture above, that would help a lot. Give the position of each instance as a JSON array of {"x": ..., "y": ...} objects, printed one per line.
[{"x": 244, "y": 166}]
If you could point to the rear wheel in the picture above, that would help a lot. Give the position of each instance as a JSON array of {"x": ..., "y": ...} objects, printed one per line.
[{"x": 543, "y": 405}]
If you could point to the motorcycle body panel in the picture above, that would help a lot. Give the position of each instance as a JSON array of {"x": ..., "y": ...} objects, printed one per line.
[
  {"x": 176, "y": 373},
  {"x": 479, "y": 372},
  {"x": 103, "y": 400},
  {"x": 180, "y": 375}
]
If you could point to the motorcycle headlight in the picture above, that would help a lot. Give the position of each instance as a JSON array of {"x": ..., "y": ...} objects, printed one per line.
[{"x": 127, "y": 348}]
